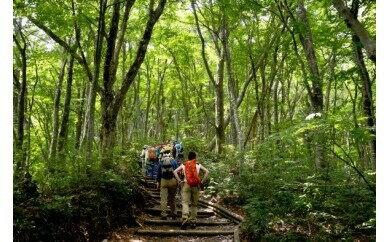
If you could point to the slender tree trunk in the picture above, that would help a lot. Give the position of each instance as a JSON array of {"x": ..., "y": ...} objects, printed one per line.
[
  {"x": 232, "y": 88},
  {"x": 307, "y": 43},
  {"x": 56, "y": 105},
  {"x": 217, "y": 83},
  {"x": 184, "y": 88},
  {"x": 251, "y": 127},
  {"x": 358, "y": 146},
  {"x": 317, "y": 95},
  {"x": 260, "y": 132},
  {"x": 219, "y": 109},
  {"x": 276, "y": 105},
  {"x": 80, "y": 112},
  {"x": 89, "y": 121},
  {"x": 63, "y": 135},
  {"x": 22, "y": 97},
  {"x": 30, "y": 119},
  {"x": 331, "y": 79}
]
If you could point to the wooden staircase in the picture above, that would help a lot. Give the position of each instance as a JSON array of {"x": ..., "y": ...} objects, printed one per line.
[{"x": 214, "y": 223}]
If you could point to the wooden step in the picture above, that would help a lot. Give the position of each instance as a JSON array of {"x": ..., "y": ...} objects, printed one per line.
[
  {"x": 178, "y": 202},
  {"x": 200, "y": 212},
  {"x": 178, "y": 222},
  {"x": 191, "y": 232}
]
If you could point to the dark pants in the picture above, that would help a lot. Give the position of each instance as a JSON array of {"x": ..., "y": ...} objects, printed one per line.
[{"x": 151, "y": 169}]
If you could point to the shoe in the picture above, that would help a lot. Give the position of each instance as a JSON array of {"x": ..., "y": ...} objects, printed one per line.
[{"x": 184, "y": 224}]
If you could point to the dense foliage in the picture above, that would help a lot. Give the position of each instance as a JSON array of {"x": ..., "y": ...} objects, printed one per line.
[{"x": 76, "y": 208}]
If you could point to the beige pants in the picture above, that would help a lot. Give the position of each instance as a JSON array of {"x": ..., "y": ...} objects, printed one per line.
[
  {"x": 190, "y": 194},
  {"x": 168, "y": 192}
]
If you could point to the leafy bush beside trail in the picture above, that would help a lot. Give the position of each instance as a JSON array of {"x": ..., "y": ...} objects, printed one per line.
[{"x": 82, "y": 208}]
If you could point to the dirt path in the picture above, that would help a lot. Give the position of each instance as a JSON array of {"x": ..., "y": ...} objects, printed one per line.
[{"x": 214, "y": 223}]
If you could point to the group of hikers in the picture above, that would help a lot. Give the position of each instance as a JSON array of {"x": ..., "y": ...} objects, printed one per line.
[{"x": 165, "y": 163}]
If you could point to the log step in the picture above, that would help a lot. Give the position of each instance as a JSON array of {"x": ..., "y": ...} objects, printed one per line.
[
  {"x": 174, "y": 232},
  {"x": 200, "y": 212},
  {"x": 178, "y": 222}
]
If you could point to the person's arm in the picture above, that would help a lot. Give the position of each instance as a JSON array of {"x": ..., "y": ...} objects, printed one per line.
[
  {"x": 146, "y": 155},
  {"x": 206, "y": 173},
  {"x": 175, "y": 172}
]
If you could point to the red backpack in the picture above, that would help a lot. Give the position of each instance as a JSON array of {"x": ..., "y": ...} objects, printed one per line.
[{"x": 191, "y": 174}]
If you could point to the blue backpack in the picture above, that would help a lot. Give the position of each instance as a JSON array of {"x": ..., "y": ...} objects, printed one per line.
[{"x": 179, "y": 148}]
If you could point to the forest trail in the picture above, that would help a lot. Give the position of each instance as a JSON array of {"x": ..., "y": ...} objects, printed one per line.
[{"x": 214, "y": 223}]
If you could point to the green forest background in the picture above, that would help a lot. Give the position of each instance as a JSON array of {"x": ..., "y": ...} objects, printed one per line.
[{"x": 277, "y": 97}]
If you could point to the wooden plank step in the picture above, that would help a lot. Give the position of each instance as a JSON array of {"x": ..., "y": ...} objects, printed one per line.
[
  {"x": 200, "y": 212},
  {"x": 178, "y": 222},
  {"x": 176, "y": 232},
  {"x": 178, "y": 202}
]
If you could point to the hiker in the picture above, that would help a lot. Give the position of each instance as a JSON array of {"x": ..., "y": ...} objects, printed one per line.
[
  {"x": 179, "y": 150},
  {"x": 142, "y": 156},
  {"x": 190, "y": 188},
  {"x": 173, "y": 152},
  {"x": 167, "y": 183},
  {"x": 150, "y": 160},
  {"x": 158, "y": 151}
]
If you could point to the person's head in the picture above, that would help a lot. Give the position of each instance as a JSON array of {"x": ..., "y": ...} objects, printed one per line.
[{"x": 191, "y": 155}]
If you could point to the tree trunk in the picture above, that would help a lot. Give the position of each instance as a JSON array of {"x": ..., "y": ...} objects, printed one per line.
[
  {"x": 56, "y": 105},
  {"x": 368, "y": 104},
  {"x": 316, "y": 95},
  {"x": 30, "y": 119},
  {"x": 276, "y": 106},
  {"x": 331, "y": 79},
  {"x": 22, "y": 96},
  {"x": 184, "y": 88},
  {"x": 111, "y": 104},
  {"x": 357, "y": 28},
  {"x": 148, "y": 101},
  {"x": 89, "y": 121},
  {"x": 63, "y": 135},
  {"x": 217, "y": 83},
  {"x": 219, "y": 109},
  {"x": 307, "y": 43},
  {"x": 80, "y": 111},
  {"x": 232, "y": 88}
]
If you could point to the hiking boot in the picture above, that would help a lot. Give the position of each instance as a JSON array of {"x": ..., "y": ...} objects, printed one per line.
[{"x": 184, "y": 224}]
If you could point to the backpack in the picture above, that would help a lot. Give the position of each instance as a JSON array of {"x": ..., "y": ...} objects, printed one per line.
[
  {"x": 158, "y": 150},
  {"x": 166, "y": 167},
  {"x": 179, "y": 148},
  {"x": 152, "y": 153},
  {"x": 192, "y": 176}
]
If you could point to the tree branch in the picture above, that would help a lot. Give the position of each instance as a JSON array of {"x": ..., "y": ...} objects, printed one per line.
[{"x": 141, "y": 52}]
